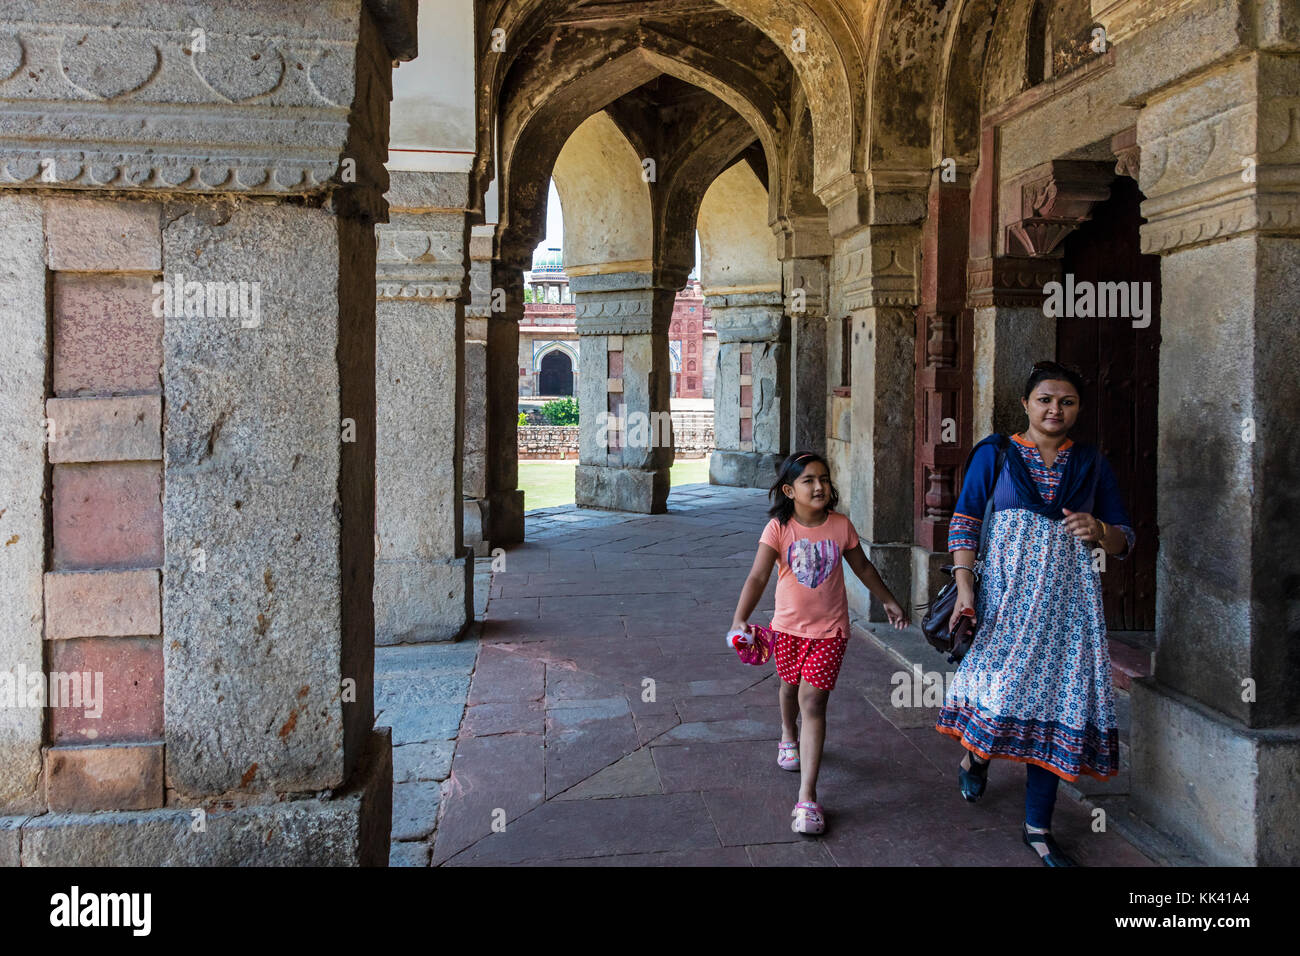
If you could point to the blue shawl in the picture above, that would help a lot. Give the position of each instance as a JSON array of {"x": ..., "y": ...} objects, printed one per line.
[{"x": 1077, "y": 484}]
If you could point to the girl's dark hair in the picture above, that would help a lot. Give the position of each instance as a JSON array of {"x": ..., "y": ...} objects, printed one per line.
[
  {"x": 782, "y": 507},
  {"x": 1053, "y": 372}
]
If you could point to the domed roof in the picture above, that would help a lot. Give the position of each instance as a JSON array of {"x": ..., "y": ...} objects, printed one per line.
[{"x": 548, "y": 263}]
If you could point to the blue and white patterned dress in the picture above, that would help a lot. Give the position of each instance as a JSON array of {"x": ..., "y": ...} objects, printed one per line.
[{"x": 1035, "y": 686}]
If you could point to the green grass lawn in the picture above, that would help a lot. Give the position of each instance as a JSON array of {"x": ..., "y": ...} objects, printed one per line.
[{"x": 549, "y": 483}]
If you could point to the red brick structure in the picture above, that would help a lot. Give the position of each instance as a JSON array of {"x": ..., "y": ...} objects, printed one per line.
[{"x": 548, "y": 327}]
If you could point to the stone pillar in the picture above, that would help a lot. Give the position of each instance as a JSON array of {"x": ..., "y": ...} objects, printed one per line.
[
  {"x": 878, "y": 269},
  {"x": 423, "y": 573},
  {"x": 751, "y": 421},
  {"x": 474, "y": 394},
  {"x": 1011, "y": 334},
  {"x": 623, "y": 380},
  {"x": 504, "y": 504},
  {"x": 1216, "y": 751},
  {"x": 210, "y": 433},
  {"x": 806, "y": 300}
]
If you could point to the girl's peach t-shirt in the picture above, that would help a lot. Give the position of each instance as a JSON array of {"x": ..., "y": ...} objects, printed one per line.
[{"x": 810, "y": 597}]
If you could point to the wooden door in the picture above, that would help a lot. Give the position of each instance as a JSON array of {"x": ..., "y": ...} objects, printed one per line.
[{"x": 1120, "y": 366}]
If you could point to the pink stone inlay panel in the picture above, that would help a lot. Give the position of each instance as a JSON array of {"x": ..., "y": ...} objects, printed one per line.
[
  {"x": 106, "y": 338},
  {"x": 108, "y": 516},
  {"x": 119, "y": 690}
]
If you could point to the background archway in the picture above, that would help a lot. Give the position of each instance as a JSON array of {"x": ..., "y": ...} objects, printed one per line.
[{"x": 555, "y": 374}]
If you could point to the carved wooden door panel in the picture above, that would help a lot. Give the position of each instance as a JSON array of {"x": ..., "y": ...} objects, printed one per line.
[{"x": 1120, "y": 365}]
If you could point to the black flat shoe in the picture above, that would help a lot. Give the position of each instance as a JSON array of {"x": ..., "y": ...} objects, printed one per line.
[
  {"x": 1055, "y": 855},
  {"x": 973, "y": 781}
]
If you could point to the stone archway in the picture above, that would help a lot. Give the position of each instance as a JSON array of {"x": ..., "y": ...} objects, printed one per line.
[{"x": 555, "y": 374}]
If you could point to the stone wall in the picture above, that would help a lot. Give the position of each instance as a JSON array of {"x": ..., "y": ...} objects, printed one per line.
[
  {"x": 548, "y": 441},
  {"x": 692, "y": 437}
]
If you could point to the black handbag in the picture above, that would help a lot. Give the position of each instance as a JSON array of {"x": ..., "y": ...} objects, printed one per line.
[{"x": 935, "y": 623}]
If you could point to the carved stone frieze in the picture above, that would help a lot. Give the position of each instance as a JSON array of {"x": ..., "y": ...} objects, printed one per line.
[
  {"x": 1009, "y": 281},
  {"x": 149, "y": 96}
]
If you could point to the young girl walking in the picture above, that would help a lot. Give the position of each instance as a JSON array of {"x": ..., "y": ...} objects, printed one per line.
[{"x": 806, "y": 538}]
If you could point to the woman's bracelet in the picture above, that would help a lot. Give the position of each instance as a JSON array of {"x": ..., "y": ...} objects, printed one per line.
[{"x": 963, "y": 567}]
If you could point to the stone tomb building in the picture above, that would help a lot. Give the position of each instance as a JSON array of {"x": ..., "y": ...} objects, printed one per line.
[
  {"x": 550, "y": 348},
  {"x": 223, "y": 507}
]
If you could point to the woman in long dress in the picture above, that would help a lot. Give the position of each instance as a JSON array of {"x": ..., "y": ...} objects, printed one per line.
[{"x": 1035, "y": 686}]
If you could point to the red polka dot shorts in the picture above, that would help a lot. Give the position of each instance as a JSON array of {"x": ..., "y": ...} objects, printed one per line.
[{"x": 814, "y": 659}]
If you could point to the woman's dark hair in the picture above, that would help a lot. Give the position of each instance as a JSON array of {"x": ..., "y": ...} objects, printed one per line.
[
  {"x": 1053, "y": 372},
  {"x": 782, "y": 507}
]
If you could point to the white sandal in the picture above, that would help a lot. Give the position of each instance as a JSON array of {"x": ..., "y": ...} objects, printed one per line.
[
  {"x": 787, "y": 755},
  {"x": 808, "y": 819}
]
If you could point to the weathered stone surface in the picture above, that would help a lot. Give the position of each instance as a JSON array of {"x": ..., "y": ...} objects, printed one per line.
[
  {"x": 425, "y": 660},
  {"x": 103, "y": 235},
  {"x": 108, "y": 516},
  {"x": 1243, "y": 818},
  {"x": 264, "y": 110},
  {"x": 350, "y": 828},
  {"x": 422, "y": 723},
  {"x": 260, "y": 708},
  {"x": 126, "y": 674},
  {"x": 79, "y": 779},
  {"x": 632, "y": 776},
  {"x": 106, "y": 336},
  {"x": 1008, "y": 341},
  {"x": 422, "y": 579},
  {"x": 414, "y": 853},
  {"x": 106, "y": 429},
  {"x": 415, "y": 809},
  {"x": 426, "y": 761},
  {"x": 422, "y": 600},
  {"x": 23, "y": 358},
  {"x": 10, "y": 840},
  {"x": 102, "y": 604},
  {"x": 413, "y": 690},
  {"x": 743, "y": 469},
  {"x": 621, "y": 489}
]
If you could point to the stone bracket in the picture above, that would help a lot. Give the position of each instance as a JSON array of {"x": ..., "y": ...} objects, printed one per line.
[{"x": 1045, "y": 204}]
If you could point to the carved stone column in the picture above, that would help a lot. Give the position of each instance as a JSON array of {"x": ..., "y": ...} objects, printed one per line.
[
  {"x": 475, "y": 521},
  {"x": 189, "y": 287},
  {"x": 1220, "y": 164},
  {"x": 878, "y": 269},
  {"x": 806, "y": 283},
  {"x": 750, "y": 419},
  {"x": 505, "y": 502},
  {"x": 423, "y": 575},
  {"x": 625, "y": 441}
]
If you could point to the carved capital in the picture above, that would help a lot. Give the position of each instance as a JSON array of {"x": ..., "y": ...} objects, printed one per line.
[
  {"x": 879, "y": 268},
  {"x": 1231, "y": 165},
  {"x": 805, "y": 281},
  {"x": 626, "y": 312},
  {"x": 749, "y": 323},
  {"x": 1009, "y": 281}
]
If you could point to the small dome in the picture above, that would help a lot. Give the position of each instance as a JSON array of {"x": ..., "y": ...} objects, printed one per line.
[{"x": 548, "y": 263}]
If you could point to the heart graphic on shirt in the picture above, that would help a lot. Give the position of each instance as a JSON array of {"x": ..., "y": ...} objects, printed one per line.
[{"x": 813, "y": 561}]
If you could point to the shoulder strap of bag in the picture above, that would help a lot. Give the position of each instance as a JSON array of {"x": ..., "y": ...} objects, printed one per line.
[{"x": 988, "y": 505}]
